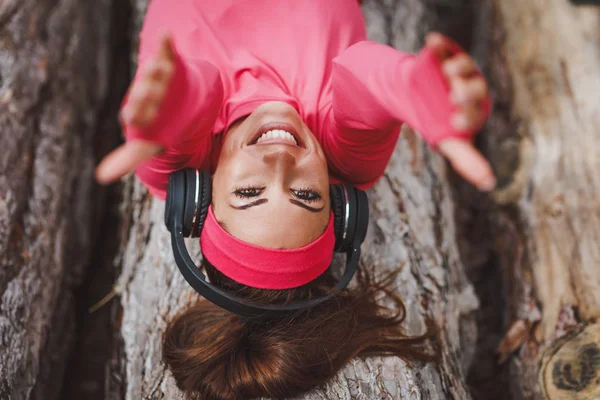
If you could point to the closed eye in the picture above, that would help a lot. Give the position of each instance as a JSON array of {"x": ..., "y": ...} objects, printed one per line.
[
  {"x": 306, "y": 195},
  {"x": 248, "y": 192},
  {"x": 302, "y": 196}
]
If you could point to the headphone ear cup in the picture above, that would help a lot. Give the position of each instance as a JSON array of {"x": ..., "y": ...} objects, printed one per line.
[
  {"x": 362, "y": 217},
  {"x": 351, "y": 223},
  {"x": 358, "y": 221},
  {"x": 175, "y": 201},
  {"x": 338, "y": 205},
  {"x": 351, "y": 216},
  {"x": 191, "y": 199},
  {"x": 203, "y": 202}
]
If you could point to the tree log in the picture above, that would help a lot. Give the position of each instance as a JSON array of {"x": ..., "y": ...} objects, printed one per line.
[
  {"x": 542, "y": 226},
  {"x": 53, "y": 66},
  {"x": 411, "y": 228}
]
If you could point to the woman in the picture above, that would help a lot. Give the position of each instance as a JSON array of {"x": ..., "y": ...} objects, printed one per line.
[{"x": 278, "y": 99}]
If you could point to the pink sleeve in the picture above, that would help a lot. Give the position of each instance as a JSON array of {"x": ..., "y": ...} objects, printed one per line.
[
  {"x": 376, "y": 88},
  {"x": 184, "y": 122}
]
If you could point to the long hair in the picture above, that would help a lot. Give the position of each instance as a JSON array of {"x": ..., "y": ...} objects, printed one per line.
[{"x": 217, "y": 355}]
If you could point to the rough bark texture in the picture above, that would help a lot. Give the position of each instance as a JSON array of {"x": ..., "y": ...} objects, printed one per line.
[
  {"x": 531, "y": 248},
  {"x": 411, "y": 227},
  {"x": 52, "y": 83},
  {"x": 539, "y": 233}
]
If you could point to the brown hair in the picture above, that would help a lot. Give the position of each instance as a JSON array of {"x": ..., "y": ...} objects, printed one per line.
[{"x": 216, "y": 355}]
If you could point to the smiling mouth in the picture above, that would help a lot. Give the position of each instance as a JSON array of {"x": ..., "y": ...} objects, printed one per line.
[
  {"x": 277, "y": 136},
  {"x": 276, "y": 133}
]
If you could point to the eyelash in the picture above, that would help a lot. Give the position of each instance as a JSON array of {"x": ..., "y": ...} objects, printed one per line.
[
  {"x": 316, "y": 195},
  {"x": 303, "y": 194},
  {"x": 256, "y": 191}
]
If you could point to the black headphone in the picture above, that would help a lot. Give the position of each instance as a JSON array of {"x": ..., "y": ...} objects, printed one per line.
[{"x": 188, "y": 197}]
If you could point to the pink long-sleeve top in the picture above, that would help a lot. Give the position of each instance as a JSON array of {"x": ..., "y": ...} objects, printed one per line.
[{"x": 234, "y": 55}]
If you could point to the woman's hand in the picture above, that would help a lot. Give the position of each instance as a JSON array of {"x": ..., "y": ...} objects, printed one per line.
[
  {"x": 146, "y": 95},
  {"x": 468, "y": 91}
]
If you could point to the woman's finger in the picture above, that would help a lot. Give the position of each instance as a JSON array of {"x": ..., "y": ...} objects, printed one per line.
[
  {"x": 468, "y": 118},
  {"x": 124, "y": 159},
  {"x": 469, "y": 163},
  {"x": 147, "y": 92},
  {"x": 166, "y": 48},
  {"x": 461, "y": 65},
  {"x": 439, "y": 44},
  {"x": 143, "y": 103},
  {"x": 159, "y": 71},
  {"x": 471, "y": 90},
  {"x": 157, "y": 82},
  {"x": 147, "y": 115}
]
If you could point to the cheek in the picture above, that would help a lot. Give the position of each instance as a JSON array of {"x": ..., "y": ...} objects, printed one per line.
[
  {"x": 319, "y": 157},
  {"x": 236, "y": 169},
  {"x": 238, "y": 134},
  {"x": 236, "y": 166},
  {"x": 229, "y": 163},
  {"x": 218, "y": 190},
  {"x": 319, "y": 166}
]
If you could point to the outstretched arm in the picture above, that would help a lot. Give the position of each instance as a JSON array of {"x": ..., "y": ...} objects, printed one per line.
[
  {"x": 439, "y": 92},
  {"x": 167, "y": 117}
]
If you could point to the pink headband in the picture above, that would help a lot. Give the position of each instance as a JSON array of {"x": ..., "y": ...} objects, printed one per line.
[{"x": 261, "y": 267}]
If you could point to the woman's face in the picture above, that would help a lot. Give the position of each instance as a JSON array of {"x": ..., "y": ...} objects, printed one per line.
[{"x": 270, "y": 189}]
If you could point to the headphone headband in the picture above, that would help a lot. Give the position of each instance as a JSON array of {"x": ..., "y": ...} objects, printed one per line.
[
  {"x": 189, "y": 197},
  {"x": 242, "y": 306}
]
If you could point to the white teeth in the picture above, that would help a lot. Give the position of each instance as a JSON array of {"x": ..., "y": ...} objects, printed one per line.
[{"x": 277, "y": 133}]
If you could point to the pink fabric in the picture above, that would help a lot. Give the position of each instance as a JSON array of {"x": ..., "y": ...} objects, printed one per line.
[
  {"x": 234, "y": 55},
  {"x": 261, "y": 267}
]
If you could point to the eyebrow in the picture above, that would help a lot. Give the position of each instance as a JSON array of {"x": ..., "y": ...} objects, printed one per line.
[
  {"x": 309, "y": 208},
  {"x": 263, "y": 201},
  {"x": 253, "y": 204}
]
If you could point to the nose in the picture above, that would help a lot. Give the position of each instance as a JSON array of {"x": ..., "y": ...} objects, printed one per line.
[{"x": 280, "y": 157}]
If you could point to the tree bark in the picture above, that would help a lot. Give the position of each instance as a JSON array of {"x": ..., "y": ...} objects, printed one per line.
[
  {"x": 411, "y": 227},
  {"x": 537, "y": 234},
  {"x": 541, "y": 228},
  {"x": 52, "y": 83}
]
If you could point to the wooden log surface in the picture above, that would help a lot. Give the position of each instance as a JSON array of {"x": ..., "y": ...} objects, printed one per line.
[
  {"x": 555, "y": 74},
  {"x": 542, "y": 226},
  {"x": 411, "y": 227},
  {"x": 571, "y": 366},
  {"x": 53, "y": 66},
  {"x": 540, "y": 229}
]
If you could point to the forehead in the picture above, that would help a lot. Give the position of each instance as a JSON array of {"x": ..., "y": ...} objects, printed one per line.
[{"x": 276, "y": 224}]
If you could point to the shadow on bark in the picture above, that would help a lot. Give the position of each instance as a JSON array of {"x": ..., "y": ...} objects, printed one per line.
[{"x": 97, "y": 312}]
